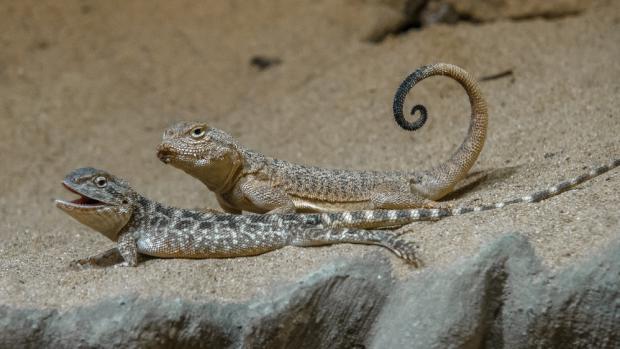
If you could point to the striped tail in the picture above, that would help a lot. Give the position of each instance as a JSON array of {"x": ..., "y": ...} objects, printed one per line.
[{"x": 373, "y": 219}]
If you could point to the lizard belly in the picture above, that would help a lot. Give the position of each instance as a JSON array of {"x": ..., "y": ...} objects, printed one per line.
[{"x": 316, "y": 205}]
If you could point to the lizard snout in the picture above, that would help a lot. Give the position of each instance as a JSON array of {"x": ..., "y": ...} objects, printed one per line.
[{"x": 164, "y": 153}]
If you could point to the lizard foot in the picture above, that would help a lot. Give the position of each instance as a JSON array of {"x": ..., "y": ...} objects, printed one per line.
[
  {"x": 81, "y": 264},
  {"x": 406, "y": 250},
  {"x": 104, "y": 259}
]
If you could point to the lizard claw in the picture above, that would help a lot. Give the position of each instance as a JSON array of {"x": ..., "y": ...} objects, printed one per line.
[
  {"x": 81, "y": 264},
  {"x": 406, "y": 250},
  {"x": 125, "y": 264}
]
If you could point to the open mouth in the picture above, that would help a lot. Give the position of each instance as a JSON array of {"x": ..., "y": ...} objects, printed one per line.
[{"x": 82, "y": 202}]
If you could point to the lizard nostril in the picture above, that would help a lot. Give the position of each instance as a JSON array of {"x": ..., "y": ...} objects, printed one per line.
[
  {"x": 164, "y": 153},
  {"x": 163, "y": 158}
]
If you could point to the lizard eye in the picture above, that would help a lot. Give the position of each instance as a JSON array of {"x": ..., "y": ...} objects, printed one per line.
[
  {"x": 198, "y": 132},
  {"x": 101, "y": 181}
]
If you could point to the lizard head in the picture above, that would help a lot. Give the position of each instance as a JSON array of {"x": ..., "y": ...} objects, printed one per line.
[
  {"x": 206, "y": 153},
  {"x": 105, "y": 202}
]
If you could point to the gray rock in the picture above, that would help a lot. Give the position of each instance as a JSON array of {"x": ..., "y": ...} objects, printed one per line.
[
  {"x": 501, "y": 298},
  {"x": 504, "y": 298},
  {"x": 332, "y": 308},
  {"x": 484, "y": 10}
]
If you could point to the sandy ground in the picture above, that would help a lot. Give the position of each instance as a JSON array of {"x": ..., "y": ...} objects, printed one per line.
[{"x": 95, "y": 83}]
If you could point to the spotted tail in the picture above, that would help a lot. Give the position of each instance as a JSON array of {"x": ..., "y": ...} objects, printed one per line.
[{"x": 370, "y": 219}]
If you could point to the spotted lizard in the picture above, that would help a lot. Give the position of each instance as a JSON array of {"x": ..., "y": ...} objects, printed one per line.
[
  {"x": 110, "y": 206},
  {"x": 245, "y": 180}
]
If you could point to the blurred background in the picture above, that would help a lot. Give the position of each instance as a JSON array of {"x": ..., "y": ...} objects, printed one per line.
[{"x": 96, "y": 82}]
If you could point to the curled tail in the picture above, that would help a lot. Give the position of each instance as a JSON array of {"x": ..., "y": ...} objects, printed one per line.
[
  {"x": 439, "y": 181},
  {"x": 372, "y": 219}
]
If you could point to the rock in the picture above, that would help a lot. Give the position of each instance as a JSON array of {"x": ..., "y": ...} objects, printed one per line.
[
  {"x": 485, "y": 10},
  {"x": 334, "y": 307},
  {"x": 502, "y": 297},
  {"x": 404, "y": 15},
  {"x": 438, "y": 12}
]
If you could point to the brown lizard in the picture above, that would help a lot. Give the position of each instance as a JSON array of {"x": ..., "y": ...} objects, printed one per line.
[
  {"x": 110, "y": 206},
  {"x": 245, "y": 180}
]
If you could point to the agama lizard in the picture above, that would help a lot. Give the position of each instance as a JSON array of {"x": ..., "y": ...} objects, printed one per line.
[
  {"x": 245, "y": 180},
  {"x": 110, "y": 206},
  {"x": 141, "y": 226}
]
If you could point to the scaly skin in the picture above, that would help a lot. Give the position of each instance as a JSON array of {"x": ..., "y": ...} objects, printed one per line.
[
  {"x": 245, "y": 180},
  {"x": 142, "y": 226}
]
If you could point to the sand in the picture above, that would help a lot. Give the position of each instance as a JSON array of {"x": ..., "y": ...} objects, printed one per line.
[{"x": 95, "y": 84}]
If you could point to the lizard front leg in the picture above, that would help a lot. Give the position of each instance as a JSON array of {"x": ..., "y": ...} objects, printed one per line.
[
  {"x": 226, "y": 206},
  {"x": 128, "y": 249},
  {"x": 103, "y": 259},
  {"x": 266, "y": 198}
]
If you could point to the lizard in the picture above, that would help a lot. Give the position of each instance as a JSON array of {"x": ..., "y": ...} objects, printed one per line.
[
  {"x": 138, "y": 225},
  {"x": 110, "y": 206},
  {"x": 246, "y": 180}
]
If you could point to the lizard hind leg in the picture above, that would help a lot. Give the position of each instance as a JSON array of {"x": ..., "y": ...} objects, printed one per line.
[{"x": 318, "y": 237}]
